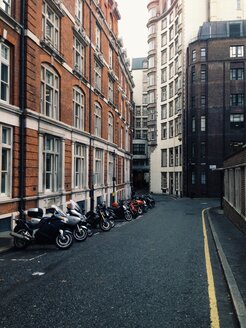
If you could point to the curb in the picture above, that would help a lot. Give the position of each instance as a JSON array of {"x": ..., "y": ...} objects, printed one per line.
[{"x": 231, "y": 282}]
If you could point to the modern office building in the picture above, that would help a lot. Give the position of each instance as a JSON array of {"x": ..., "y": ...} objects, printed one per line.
[
  {"x": 65, "y": 105},
  {"x": 140, "y": 166},
  {"x": 173, "y": 25},
  {"x": 215, "y": 118}
]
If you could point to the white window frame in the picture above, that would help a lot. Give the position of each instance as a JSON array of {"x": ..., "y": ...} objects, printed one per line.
[
  {"x": 110, "y": 127},
  {"x": 80, "y": 171},
  {"x": 79, "y": 11},
  {"x": 78, "y": 108},
  {"x": 49, "y": 83},
  {"x": 98, "y": 37},
  {"x": 111, "y": 90},
  {"x": 98, "y": 75},
  {"x": 50, "y": 26},
  {"x": 6, "y": 6},
  {"x": 97, "y": 120},
  {"x": 4, "y": 66},
  {"x": 6, "y": 151},
  {"x": 98, "y": 181},
  {"x": 52, "y": 171},
  {"x": 236, "y": 51},
  {"x": 110, "y": 168},
  {"x": 79, "y": 55}
]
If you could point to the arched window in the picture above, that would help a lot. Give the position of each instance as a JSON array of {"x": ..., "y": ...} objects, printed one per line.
[
  {"x": 78, "y": 108},
  {"x": 110, "y": 127},
  {"x": 49, "y": 92},
  {"x": 98, "y": 120}
]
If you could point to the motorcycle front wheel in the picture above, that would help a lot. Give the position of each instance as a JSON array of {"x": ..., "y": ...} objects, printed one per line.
[
  {"x": 20, "y": 243},
  {"x": 80, "y": 234},
  {"x": 64, "y": 241},
  {"x": 105, "y": 225}
]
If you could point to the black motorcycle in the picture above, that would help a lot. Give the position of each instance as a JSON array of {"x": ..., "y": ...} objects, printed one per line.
[
  {"x": 120, "y": 211},
  {"x": 49, "y": 229},
  {"x": 73, "y": 211},
  {"x": 98, "y": 218}
]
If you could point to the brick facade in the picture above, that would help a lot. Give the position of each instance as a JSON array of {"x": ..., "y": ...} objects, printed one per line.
[{"x": 50, "y": 134}]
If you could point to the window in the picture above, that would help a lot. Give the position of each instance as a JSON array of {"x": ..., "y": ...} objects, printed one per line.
[
  {"x": 237, "y": 73},
  {"x": 138, "y": 123},
  {"x": 145, "y": 122},
  {"x": 163, "y": 23},
  {"x": 193, "y": 178},
  {"x": 78, "y": 108},
  {"x": 49, "y": 92},
  {"x": 151, "y": 62},
  {"x": 164, "y": 131},
  {"x": 6, "y": 6},
  {"x": 79, "y": 11},
  {"x": 237, "y": 99},
  {"x": 203, "y": 178},
  {"x": 98, "y": 37},
  {"x": 164, "y": 181},
  {"x": 79, "y": 56},
  {"x": 151, "y": 45},
  {"x": 171, "y": 157},
  {"x": 164, "y": 39},
  {"x": 5, "y": 160},
  {"x": 163, "y": 93},
  {"x": 193, "y": 55},
  {"x": 193, "y": 124},
  {"x": 203, "y": 150},
  {"x": 151, "y": 79},
  {"x": 234, "y": 30},
  {"x": 111, "y": 90},
  {"x": 203, "y": 73},
  {"x": 151, "y": 97},
  {"x": 79, "y": 165},
  {"x": 236, "y": 51},
  {"x": 203, "y": 101},
  {"x": 110, "y": 57},
  {"x": 51, "y": 163},
  {"x": 139, "y": 149},
  {"x": 193, "y": 75},
  {"x": 110, "y": 127},
  {"x": 50, "y": 26},
  {"x": 170, "y": 129},
  {"x": 97, "y": 120},
  {"x": 98, "y": 76},
  {"x": 164, "y": 157},
  {"x": 176, "y": 156},
  {"x": 163, "y": 75},
  {"x": 4, "y": 72},
  {"x": 203, "y": 53},
  {"x": 171, "y": 90},
  {"x": 170, "y": 109},
  {"x": 163, "y": 112},
  {"x": 110, "y": 167},
  {"x": 164, "y": 56},
  {"x": 203, "y": 123},
  {"x": 98, "y": 167},
  {"x": 237, "y": 120},
  {"x": 238, "y": 4}
]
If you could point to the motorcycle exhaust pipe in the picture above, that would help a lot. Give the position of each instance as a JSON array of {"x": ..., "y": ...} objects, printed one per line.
[{"x": 18, "y": 235}]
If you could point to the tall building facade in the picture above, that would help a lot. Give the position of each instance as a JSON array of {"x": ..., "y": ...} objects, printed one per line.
[
  {"x": 215, "y": 104},
  {"x": 140, "y": 166},
  {"x": 66, "y": 105},
  {"x": 172, "y": 25}
]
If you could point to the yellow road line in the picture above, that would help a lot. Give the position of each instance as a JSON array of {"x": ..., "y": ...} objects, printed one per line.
[{"x": 214, "y": 315}]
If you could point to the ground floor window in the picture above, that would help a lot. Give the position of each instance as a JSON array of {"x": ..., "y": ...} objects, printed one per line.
[
  {"x": 5, "y": 160},
  {"x": 79, "y": 165}
]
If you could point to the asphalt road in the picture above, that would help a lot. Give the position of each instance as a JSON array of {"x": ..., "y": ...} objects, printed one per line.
[{"x": 146, "y": 273}]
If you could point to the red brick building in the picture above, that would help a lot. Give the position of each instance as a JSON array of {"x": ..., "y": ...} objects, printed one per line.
[{"x": 65, "y": 105}]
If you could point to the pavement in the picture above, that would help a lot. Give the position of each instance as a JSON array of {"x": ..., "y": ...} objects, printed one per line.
[{"x": 231, "y": 248}]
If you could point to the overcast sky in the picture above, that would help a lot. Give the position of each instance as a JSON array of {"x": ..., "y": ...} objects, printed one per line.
[{"x": 132, "y": 26}]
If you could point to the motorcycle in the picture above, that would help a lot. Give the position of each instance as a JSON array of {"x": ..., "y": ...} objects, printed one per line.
[
  {"x": 98, "y": 218},
  {"x": 49, "y": 229},
  {"x": 120, "y": 211},
  {"x": 74, "y": 210}
]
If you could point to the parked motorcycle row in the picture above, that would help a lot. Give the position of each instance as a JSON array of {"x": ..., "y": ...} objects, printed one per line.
[{"x": 61, "y": 229}]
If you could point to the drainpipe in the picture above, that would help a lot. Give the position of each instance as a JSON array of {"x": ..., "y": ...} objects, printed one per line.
[
  {"x": 22, "y": 90},
  {"x": 91, "y": 158}
]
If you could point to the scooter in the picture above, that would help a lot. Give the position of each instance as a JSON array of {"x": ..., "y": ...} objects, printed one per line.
[{"x": 49, "y": 229}]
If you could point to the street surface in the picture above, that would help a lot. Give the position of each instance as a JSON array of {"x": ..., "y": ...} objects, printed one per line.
[{"x": 147, "y": 273}]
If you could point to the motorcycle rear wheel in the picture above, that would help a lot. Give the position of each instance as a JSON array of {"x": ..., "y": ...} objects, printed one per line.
[
  {"x": 128, "y": 216},
  {"x": 65, "y": 241},
  {"x": 80, "y": 234},
  {"x": 21, "y": 243}
]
